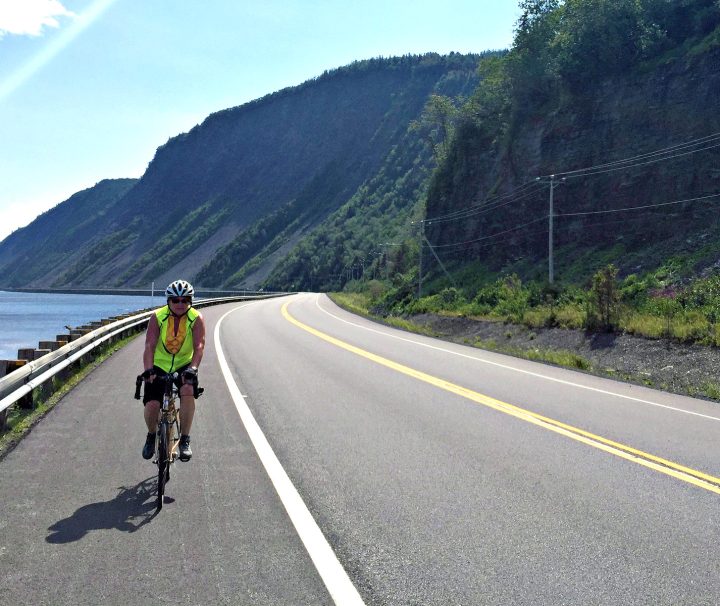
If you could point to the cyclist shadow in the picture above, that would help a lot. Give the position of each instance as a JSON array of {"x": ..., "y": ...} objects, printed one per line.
[{"x": 129, "y": 511}]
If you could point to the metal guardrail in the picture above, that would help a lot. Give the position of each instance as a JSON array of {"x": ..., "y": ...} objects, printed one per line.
[{"x": 25, "y": 379}]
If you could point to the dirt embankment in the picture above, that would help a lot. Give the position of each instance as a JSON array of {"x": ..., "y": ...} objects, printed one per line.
[{"x": 662, "y": 364}]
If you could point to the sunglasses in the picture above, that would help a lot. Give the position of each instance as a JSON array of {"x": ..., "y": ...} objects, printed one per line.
[{"x": 177, "y": 300}]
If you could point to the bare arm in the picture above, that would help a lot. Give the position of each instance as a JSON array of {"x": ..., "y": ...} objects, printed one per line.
[
  {"x": 151, "y": 338},
  {"x": 198, "y": 341}
]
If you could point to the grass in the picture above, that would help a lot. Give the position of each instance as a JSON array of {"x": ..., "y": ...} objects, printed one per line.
[
  {"x": 710, "y": 390},
  {"x": 359, "y": 303},
  {"x": 560, "y": 316},
  {"x": 20, "y": 420},
  {"x": 691, "y": 326},
  {"x": 567, "y": 359}
]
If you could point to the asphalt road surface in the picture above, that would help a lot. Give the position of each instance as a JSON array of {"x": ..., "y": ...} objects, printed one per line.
[{"x": 337, "y": 461}]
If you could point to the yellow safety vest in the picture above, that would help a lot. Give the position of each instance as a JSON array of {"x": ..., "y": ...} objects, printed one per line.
[{"x": 174, "y": 349}]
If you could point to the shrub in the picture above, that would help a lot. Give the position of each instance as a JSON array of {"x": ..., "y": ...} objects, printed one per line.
[
  {"x": 603, "y": 311},
  {"x": 539, "y": 316},
  {"x": 506, "y": 297},
  {"x": 451, "y": 297},
  {"x": 377, "y": 289},
  {"x": 570, "y": 316}
]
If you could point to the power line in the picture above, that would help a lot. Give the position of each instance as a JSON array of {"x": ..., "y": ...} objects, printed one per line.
[
  {"x": 706, "y": 143},
  {"x": 507, "y": 231},
  {"x": 618, "y": 210},
  {"x": 626, "y": 163},
  {"x": 488, "y": 204},
  {"x": 480, "y": 209},
  {"x": 609, "y": 170},
  {"x": 520, "y": 192},
  {"x": 462, "y": 252},
  {"x": 598, "y": 212},
  {"x": 668, "y": 153}
]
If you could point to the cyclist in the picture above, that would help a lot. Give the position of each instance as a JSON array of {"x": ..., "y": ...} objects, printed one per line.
[{"x": 174, "y": 342}]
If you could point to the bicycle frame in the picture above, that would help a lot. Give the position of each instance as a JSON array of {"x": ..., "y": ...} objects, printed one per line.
[{"x": 167, "y": 436}]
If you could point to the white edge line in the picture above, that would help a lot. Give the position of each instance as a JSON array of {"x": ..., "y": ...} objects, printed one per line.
[
  {"x": 526, "y": 372},
  {"x": 328, "y": 566}
]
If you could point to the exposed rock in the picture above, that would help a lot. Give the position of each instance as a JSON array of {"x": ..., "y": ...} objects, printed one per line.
[{"x": 662, "y": 364}]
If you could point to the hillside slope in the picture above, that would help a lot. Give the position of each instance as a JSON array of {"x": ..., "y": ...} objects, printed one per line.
[
  {"x": 36, "y": 253},
  {"x": 308, "y": 148}
]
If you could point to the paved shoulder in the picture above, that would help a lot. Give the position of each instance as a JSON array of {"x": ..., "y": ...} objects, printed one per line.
[{"x": 78, "y": 505}]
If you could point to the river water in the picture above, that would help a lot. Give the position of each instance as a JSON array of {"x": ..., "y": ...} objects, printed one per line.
[{"x": 26, "y": 318}]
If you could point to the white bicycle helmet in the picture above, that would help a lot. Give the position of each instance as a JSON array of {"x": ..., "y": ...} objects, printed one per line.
[{"x": 180, "y": 288}]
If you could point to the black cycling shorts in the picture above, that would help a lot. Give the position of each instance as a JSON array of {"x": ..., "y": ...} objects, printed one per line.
[{"x": 155, "y": 390}]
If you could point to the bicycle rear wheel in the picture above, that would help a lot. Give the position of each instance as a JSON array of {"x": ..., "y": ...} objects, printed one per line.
[{"x": 162, "y": 462}]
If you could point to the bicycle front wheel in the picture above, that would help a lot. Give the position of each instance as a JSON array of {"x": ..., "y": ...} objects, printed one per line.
[{"x": 163, "y": 462}]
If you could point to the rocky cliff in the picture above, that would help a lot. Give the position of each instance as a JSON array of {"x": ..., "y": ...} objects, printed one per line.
[{"x": 636, "y": 165}]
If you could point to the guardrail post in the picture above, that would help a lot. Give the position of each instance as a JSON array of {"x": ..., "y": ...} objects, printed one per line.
[
  {"x": 7, "y": 367},
  {"x": 49, "y": 345},
  {"x": 26, "y": 353},
  {"x": 63, "y": 339},
  {"x": 30, "y": 353},
  {"x": 4, "y": 414}
]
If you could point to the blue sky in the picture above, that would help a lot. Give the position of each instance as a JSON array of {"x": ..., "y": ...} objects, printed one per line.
[{"x": 89, "y": 89}]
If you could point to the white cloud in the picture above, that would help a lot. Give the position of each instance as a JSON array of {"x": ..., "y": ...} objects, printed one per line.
[{"x": 30, "y": 17}]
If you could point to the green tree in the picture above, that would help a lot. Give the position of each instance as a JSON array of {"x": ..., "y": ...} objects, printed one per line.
[
  {"x": 603, "y": 304},
  {"x": 488, "y": 107},
  {"x": 529, "y": 62},
  {"x": 437, "y": 124},
  {"x": 598, "y": 38}
]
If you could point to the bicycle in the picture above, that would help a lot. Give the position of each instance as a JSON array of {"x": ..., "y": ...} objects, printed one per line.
[{"x": 167, "y": 436}]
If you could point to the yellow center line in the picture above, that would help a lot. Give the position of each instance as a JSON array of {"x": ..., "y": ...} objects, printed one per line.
[{"x": 681, "y": 472}]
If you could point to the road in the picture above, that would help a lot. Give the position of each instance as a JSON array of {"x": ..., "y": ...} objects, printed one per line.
[{"x": 432, "y": 473}]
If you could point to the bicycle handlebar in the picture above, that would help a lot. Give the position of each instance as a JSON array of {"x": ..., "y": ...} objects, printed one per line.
[{"x": 197, "y": 390}]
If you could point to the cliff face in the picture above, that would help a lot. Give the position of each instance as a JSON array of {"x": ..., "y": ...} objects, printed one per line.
[
  {"x": 582, "y": 138},
  {"x": 312, "y": 145}
]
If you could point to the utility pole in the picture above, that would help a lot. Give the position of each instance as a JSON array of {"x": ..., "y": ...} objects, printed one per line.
[
  {"x": 422, "y": 237},
  {"x": 551, "y": 214}
]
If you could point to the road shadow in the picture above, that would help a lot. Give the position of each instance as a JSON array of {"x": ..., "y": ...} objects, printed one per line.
[{"x": 129, "y": 511}]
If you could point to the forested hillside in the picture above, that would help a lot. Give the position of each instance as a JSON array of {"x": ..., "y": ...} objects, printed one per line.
[
  {"x": 239, "y": 189},
  {"x": 55, "y": 238},
  {"x": 262, "y": 252},
  {"x": 431, "y": 171},
  {"x": 614, "y": 105}
]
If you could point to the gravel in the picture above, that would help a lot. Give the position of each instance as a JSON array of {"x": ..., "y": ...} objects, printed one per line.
[{"x": 658, "y": 363}]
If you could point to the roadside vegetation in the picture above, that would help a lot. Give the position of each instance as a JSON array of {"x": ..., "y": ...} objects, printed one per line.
[
  {"x": 665, "y": 304},
  {"x": 657, "y": 305}
]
